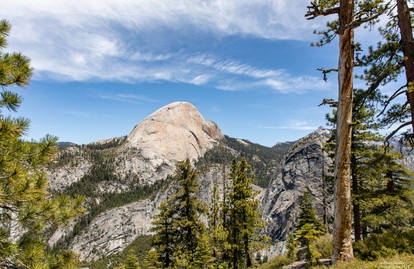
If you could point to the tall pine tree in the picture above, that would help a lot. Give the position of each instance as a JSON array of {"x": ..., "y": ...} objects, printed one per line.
[
  {"x": 179, "y": 232},
  {"x": 350, "y": 15},
  {"x": 245, "y": 220}
]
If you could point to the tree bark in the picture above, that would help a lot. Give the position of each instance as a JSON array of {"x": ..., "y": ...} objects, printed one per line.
[
  {"x": 407, "y": 42},
  {"x": 342, "y": 249},
  {"x": 355, "y": 204}
]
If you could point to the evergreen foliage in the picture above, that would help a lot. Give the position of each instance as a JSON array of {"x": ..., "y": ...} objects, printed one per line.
[
  {"x": 140, "y": 248},
  {"x": 180, "y": 238},
  {"x": 244, "y": 218},
  {"x": 381, "y": 188},
  {"x": 308, "y": 228},
  {"x": 25, "y": 203},
  {"x": 218, "y": 232}
]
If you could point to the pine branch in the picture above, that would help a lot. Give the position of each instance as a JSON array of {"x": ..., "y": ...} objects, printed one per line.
[
  {"x": 330, "y": 102},
  {"x": 361, "y": 20},
  {"x": 396, "y": 130},
  {"x": 393, "y": 96},
  {"x": 326, "y": 71},
  {"x": 314, "y": 11}
]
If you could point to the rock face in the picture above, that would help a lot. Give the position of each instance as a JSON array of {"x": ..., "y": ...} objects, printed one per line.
[
  {"x": 174, "y": 133},
  {"x": 71, "y": 170},
  {"x": 302, "y": 167},
  {"x": 112, "y": 231}
]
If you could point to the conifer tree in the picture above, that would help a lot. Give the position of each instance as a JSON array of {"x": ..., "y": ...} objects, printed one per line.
[
  {"x": 372, "y": 166},
  {"x": 217, "y": 231},
  {"x": 179, "y": 238},
  {"x": 309, "y": 227},
  {"x": 24, "y": 200},
  {"x": 350, "y": 15},
  {"x": 164, "y": 238},
  {"x": 245, "y": 220},
  {"x": 187, "y": 209}
]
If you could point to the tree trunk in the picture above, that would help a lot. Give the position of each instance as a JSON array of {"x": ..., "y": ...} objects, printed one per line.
[
  {"x": 355, "y": 204},
  {"x": 407, "y": 42},
  {"x": 342, "y": 249}
]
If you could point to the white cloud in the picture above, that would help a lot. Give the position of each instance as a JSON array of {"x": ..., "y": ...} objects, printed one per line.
[
  {"x": 123, "y": 40},
  {"x": 294, "y": 125},
  {"x": 128, "y": 98}
]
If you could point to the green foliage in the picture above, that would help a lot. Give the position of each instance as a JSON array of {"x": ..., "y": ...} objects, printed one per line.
[
  {"x": 180, "y": 238},
  {"x": 386, "y": 244},
  {"x": 24, "y": 198},
  {"x": 244, "y": 218},
  {"x": 291, "y": 246},
  {"x": 324, "y": 245},
  {"x": 217, "y": 231},
  {"x": 278, "y": 262},
  {"x": 138, "y": 248},
  {"x": 308, "y": 228},
  {"x": 380, "y": 184},
  {"x": 112, "y": 143},
  {"x": 399, "y": 261},
  {"x": 131, "y": 262}
]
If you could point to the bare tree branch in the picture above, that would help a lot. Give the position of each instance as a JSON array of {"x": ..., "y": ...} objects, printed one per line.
[
  {"x": 326, "y": 71},
  {"x": 314, "y": 11}
]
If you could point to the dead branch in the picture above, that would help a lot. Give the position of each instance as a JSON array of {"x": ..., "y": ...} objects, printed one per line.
[
  {"x": 326, "y": 71},
  {"x": 314, "y": 11}
]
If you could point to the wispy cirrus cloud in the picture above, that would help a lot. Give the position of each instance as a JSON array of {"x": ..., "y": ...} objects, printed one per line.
[
  {"x": 136, "y": 40},
  {"x": 294, "y": 125},
  {"x": 128, "y": 98}
]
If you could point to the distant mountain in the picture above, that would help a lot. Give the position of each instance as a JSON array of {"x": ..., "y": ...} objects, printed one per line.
[
  {"x": 63, "y": 145},
  {"x": 125, "y": 179}
]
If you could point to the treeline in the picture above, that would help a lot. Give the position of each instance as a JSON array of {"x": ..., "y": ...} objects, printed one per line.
[{"x": 263, "y": 160}]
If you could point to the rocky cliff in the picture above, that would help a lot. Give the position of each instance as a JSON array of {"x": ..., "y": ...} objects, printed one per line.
[{"x": 303, "y": 167}]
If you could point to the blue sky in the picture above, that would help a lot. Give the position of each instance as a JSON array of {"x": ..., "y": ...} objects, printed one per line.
[{"x": 103, "y": 66}]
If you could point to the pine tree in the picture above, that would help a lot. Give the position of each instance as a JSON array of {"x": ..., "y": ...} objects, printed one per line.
[
  {"x": 350, "y": 14},
  {"x": 309, "y": 227},
  {"x": 245, "y": 220},
  {"x": 179, "y": 238},
  {"x": 187, "y": 210},
  {"x": 24, "y": 200},
  {"x": 218, "y": 234},
  {"x": 164, "y": 238},
  {"x": 377, "y": 206},
  {"x": 291, "y": 246}
]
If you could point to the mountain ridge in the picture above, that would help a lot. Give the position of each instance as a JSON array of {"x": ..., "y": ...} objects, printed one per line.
[{"x": 124, "y": 185}]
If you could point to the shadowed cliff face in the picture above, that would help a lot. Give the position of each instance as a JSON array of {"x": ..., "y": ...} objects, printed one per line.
[{"x": 302, "y": 167}]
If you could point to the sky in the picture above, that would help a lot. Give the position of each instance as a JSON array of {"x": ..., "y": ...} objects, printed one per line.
[{"x": 100, "y": 66}]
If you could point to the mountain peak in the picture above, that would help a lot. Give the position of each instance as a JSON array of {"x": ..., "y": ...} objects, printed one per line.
[{"x": 174, "y": 132}]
